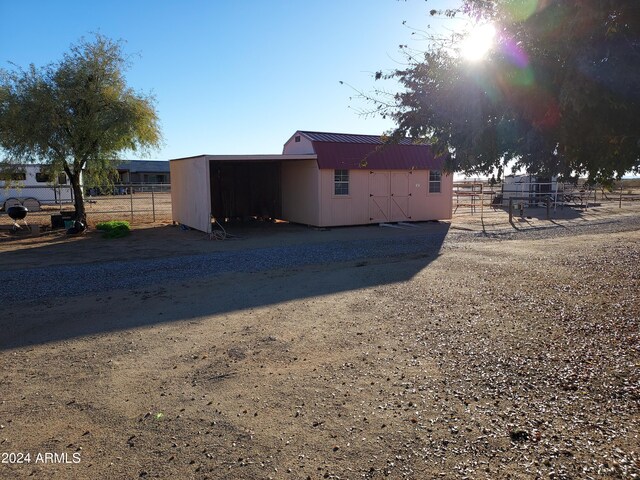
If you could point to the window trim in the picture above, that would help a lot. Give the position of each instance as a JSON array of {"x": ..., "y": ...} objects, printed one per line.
[
  {"x": 437, "y": 182},
  {"x": 342, "y": 182}
]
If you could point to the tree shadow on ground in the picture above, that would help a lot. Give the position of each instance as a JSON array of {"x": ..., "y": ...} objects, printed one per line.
[{"x": 229, "y": 281}]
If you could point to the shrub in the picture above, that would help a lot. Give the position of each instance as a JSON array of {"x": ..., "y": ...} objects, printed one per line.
[{"x": 114, "y": 229}]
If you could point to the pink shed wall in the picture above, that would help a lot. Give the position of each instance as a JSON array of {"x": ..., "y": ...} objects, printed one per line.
[
  {"x": 191, "y": 193},
  {"x": 303, "y": 147},
  {"x": 430, "y": 206},
  {"x": 349, "y": 209},
  {"x": 357, "y": 207},
  {"x": 444, "y": 208},
  {"x": 300, "y": 192}
]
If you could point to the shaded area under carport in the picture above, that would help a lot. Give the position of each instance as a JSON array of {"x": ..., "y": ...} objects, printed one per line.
[{"x": 245, "y": 189}]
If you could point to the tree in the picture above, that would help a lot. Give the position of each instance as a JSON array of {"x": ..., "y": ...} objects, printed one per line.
[
  {"x": 558, "y": 94},
  {"x": 76, "y": 115}
]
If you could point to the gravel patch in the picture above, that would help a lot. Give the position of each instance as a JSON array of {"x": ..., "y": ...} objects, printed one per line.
[
  {"x": 68, "y": 281},
  {"x": 65, "y": 281}
]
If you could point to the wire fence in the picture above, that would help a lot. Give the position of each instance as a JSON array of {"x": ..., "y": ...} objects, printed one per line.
[
  {"x": 150, "y": 203},
  {"x": 475, "y": 197},
  {"x": 136, "y": 203}
]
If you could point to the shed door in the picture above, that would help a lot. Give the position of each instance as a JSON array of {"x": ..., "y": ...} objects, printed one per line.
[
  {"x": 378, "y": 197},
  {"x": 400, "y": 196}
]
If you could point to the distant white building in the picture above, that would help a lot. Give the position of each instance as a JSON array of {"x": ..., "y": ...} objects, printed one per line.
[{"x": 144, "y": 171}]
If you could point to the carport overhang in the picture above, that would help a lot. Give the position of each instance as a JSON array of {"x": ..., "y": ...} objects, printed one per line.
[{"x": 230, "y": 186}]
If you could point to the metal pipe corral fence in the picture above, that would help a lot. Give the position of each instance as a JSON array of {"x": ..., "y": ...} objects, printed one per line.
[{"x": 472, "y": 196}]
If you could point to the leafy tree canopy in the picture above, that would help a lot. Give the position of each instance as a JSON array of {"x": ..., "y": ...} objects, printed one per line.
[
  {"x": 559, "y": 93},
  {"x": 76, "y": 115}
]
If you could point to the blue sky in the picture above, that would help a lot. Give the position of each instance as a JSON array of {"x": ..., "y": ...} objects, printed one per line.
[{"x": 232, "y": 77}]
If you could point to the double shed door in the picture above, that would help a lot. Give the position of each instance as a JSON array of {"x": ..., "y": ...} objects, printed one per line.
[{"x": 389, "y": 196}]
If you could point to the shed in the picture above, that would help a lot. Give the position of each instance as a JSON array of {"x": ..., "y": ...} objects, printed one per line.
[{"x": 320, "y": 179}]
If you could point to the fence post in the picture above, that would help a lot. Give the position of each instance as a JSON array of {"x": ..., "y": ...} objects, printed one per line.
[
  {"x": 548, "y": 202},
  {"x": 473, "y": 198},
  {"x": 131, "y": 198},
  {"x": 511, "y": 210},
  {"x": 153, "y": 203}
]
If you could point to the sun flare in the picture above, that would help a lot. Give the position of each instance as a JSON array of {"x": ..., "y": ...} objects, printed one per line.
[{"x": 478, "y": 42}]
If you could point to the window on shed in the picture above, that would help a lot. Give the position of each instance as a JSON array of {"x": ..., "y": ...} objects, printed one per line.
[
  {"x": 434, "y": 181},
  {"x": 297, "y": 140},
  {"x": 62, "y": 179},
  {"x": 341, "y": 182}
]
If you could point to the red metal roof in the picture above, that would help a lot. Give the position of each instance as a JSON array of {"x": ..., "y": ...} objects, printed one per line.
[
  {"x": 348, "y": 138},
  {"x": 350, "y": 151},
  {"x": 342, "y": 155}
]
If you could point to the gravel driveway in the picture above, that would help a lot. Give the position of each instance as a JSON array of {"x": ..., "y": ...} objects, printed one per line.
[
  {"x": 431, "y": 353},
  {"x": 68, "y": 281}
]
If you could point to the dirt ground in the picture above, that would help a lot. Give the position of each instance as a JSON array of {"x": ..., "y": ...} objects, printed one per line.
[{"x": 493, "y": 359}]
